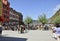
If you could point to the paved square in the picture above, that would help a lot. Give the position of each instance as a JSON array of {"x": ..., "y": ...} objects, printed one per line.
[{"x": 32, "y": 35}]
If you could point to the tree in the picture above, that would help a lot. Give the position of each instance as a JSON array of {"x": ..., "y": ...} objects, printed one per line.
[
  {"x": 54, "y": 17},
  {"x": 28, "y": 20},
  {"x": 42, "y": 19}
]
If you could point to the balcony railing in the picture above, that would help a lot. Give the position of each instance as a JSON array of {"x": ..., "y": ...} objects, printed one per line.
[{"x": 13, "y": 18}]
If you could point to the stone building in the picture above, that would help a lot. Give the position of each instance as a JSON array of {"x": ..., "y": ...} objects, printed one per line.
[{"x": 16, "y": 18}]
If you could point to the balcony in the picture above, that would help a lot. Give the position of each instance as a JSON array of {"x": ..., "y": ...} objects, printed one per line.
[{"x": 13, "y": 18}]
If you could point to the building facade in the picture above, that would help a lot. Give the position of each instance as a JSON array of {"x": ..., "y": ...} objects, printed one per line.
[
  {"x": 16, "y": 18},
  {"x": 0, "y": 8},
  {"x": 8, "y": 16},
  {"x": 5, "y": 9},
  {"x": 1, "y": 11}
]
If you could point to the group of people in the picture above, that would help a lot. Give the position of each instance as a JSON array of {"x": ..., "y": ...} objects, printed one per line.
[
  {"x": 56, "y": 31},
  {"x": 21, "y": 28}
]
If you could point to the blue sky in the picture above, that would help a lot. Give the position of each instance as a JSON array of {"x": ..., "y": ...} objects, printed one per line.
[{"x": 34, "y": 8}]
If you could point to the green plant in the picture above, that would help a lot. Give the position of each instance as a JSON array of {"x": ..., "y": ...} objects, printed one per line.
[
  {"x": 57, "y": 20},
  {"x": 28, "y": 20},
  {"x": 42, "y": 19}
]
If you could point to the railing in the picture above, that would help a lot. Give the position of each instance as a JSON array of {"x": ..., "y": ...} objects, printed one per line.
[{"x": 13, "y": 18}]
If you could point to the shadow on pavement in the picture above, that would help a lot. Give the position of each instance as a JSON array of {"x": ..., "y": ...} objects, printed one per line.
[{"x": 3, "y": 38}]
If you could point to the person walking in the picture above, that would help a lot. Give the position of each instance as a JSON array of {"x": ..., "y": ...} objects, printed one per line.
[
  {"x": 22, "y": 28},
  {"x": 0, "y": 28},
  {"x": 18, "y": 29}
]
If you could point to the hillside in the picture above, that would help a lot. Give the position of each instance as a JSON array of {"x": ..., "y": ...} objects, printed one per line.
[{"x": 55, "y": 15}]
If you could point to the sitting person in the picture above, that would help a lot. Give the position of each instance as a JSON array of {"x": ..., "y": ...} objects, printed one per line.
[{"x": 57, "y": 32}]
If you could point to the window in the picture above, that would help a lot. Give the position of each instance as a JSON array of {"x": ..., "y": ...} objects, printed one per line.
[
  {"x": 4, "y": 0},
  {"x": 6, "y": 16},
  {"x": 5, "y": 12}
]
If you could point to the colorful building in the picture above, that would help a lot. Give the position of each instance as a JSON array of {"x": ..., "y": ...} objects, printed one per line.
[
  {"x": 8, "y": 16},
  {"x": 4, "y": 11}
]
